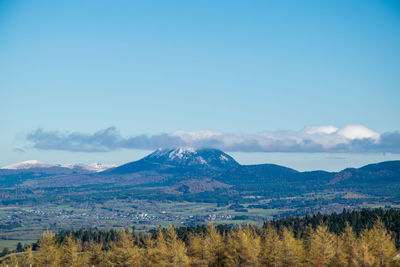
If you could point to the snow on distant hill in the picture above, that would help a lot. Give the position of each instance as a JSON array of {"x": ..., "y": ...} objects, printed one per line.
[
  {"x": 193, "y": 157},
  {"x": 93, "y": 167},
  {"x": 29, "y": 164},
  {"x": 35, "y": 164}
]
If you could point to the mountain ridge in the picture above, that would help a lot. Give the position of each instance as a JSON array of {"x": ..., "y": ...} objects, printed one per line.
[
  {"x": 36, "y": 164},
  {"x": 101, "y": 167},
  {"x": 187, "y": 170}
]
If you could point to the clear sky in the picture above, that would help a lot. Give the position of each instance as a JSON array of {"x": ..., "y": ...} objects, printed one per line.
[{"x": 236, "y": 69}]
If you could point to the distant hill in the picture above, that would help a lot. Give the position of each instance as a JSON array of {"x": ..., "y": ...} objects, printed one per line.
[
  {"x": 43, "y": 167},
  {"x": 273, "y": 179},
  {"x": 180, "y": 158},
  {"x": 20, "y": 172},
  {"x": 189, "y": 171},
  {"x": 377, "y": 179}
]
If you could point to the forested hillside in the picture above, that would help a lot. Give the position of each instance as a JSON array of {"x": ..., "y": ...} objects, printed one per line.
[
  {"x": 336, "y": 223},
  {"x": 310, "y": 241}
]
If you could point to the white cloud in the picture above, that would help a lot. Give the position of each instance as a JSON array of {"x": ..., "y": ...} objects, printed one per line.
[
  {"x": 352, "y": 132},
  {"x": 320, "y": 129},
  {"x": 352, "y": 138}
]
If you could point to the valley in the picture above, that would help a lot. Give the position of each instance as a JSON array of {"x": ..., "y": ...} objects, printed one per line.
[{"x": 182, "y": 188}]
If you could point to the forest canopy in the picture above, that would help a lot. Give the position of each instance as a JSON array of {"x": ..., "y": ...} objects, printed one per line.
[{"x": 286, "y": 242}]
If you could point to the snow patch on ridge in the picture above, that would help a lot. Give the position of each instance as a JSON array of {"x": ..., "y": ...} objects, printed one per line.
[
  {"x": 93, "y": 167},
  {"x": 29, "y": 164},
  {"x": 223, "y": 158},
  {"x": 189, "y": 156},
  {"x": 35, "y": 164},
  {"x": 181, "y": 153}
]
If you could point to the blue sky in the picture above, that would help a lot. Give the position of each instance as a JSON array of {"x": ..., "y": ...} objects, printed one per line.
[{"x": 236, "y": 68}]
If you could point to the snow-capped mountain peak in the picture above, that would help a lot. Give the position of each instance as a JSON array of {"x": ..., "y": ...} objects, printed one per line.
[
  {"x": 192, "y": 157},
  {"x": 29, "y": 164},
  {"x": 181, "y": 153}
]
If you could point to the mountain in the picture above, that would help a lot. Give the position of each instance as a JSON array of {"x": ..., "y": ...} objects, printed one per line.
[
  {"x": 29, "y": 164},
  {"x": 38, "y": 166},
  {"x": 33, "y": 170},
  {"x": 382, "y": 172},
  {"x": 188, "y": 157},
  {"x": 179, "y": 159},
  {"x": 187, "y": 171},
  {"x": 273, "y": 180},
  {"x": 261, "y": 173}
]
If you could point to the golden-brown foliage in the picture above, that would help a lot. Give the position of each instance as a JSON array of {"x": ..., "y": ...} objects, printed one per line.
[
  {"x": 124, "y": 252},
  {"x": 47, "y": 254},
  {"x": 242, "y": 246}
]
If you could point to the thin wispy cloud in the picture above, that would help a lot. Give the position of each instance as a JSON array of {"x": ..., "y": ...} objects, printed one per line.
[
  {"x": 350, "y": 139},
  {"x": 19, "y": 150}
]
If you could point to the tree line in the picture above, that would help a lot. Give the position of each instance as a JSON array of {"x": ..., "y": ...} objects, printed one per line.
[
  {"x": 285, "y": 235},
  {"x": 336, "y": 222},
  {"x": 240, "y": 246}
]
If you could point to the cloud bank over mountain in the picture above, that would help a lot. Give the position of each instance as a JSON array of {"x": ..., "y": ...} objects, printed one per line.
[{"x": 350, "y": 139}]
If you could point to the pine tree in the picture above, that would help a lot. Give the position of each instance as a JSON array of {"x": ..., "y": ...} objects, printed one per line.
[
  {"x": 364, "y": 256},
  {"x": 381, "y": 244},
  {"x": 20, "y": 248},
  {"x": 338, "y": 259},
  {"x": 214, "y": 247},
  {"x": 322, "y": 246},
  {"x": 196, "y": 251},
  {"x": 271, "y": 248},
  {"x": 96, "y": 255},
  {"x": 292, "y": 250},
  {"x": 243, "y": 247},
  {"x": 27, "y": 258},
  {"x": 176, "y": 249},
  {"x": 124, "y": 252},
  {"x": 349, "y": 246},
  {"x": 12, "y": 260},
  {"x": 47, "y": 254},
  {"x": 69, "y": 252},
  {"x": 157, "y": 251}
]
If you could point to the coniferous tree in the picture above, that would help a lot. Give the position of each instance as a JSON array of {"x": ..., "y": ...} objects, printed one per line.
[
  {"x": 69, "y": 252},
  {"x": 271, "y": 248},
  {"x": 214, "y": 247},
  {"x": 20, "y": 248},
  {"x": 157, "y": 251},
  {"x": 338, "y": 259},
  {"x": 124, "y": 252},
  {"x": 12, "y": 260},
  {"x": 27, "y": 258},
  {"x": 47, "y": 254},
  {"x": 96, "y": 255},
  {"x": 292, "y": 249},
  {"x": 381, "y": 244},
  {"x": 176, "y": 253},
  {"x": 196, "y": 250},
  {"x": 364, "y": 256},
  {"x": 322, "y": 247},
  {"x": 243, "y": 248},
  {"x": 349, "y": 246}
]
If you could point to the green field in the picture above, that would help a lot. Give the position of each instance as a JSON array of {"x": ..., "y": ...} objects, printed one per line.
[{"x": 25, "y": 223}]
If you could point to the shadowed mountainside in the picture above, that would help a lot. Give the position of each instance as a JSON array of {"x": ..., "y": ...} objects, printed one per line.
[{"x": 185, "y": 171}]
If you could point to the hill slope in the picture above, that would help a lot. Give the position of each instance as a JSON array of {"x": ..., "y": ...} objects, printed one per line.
[
  {"x": 204, "y": 167},
  {"x": 180, "y": 158}
]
